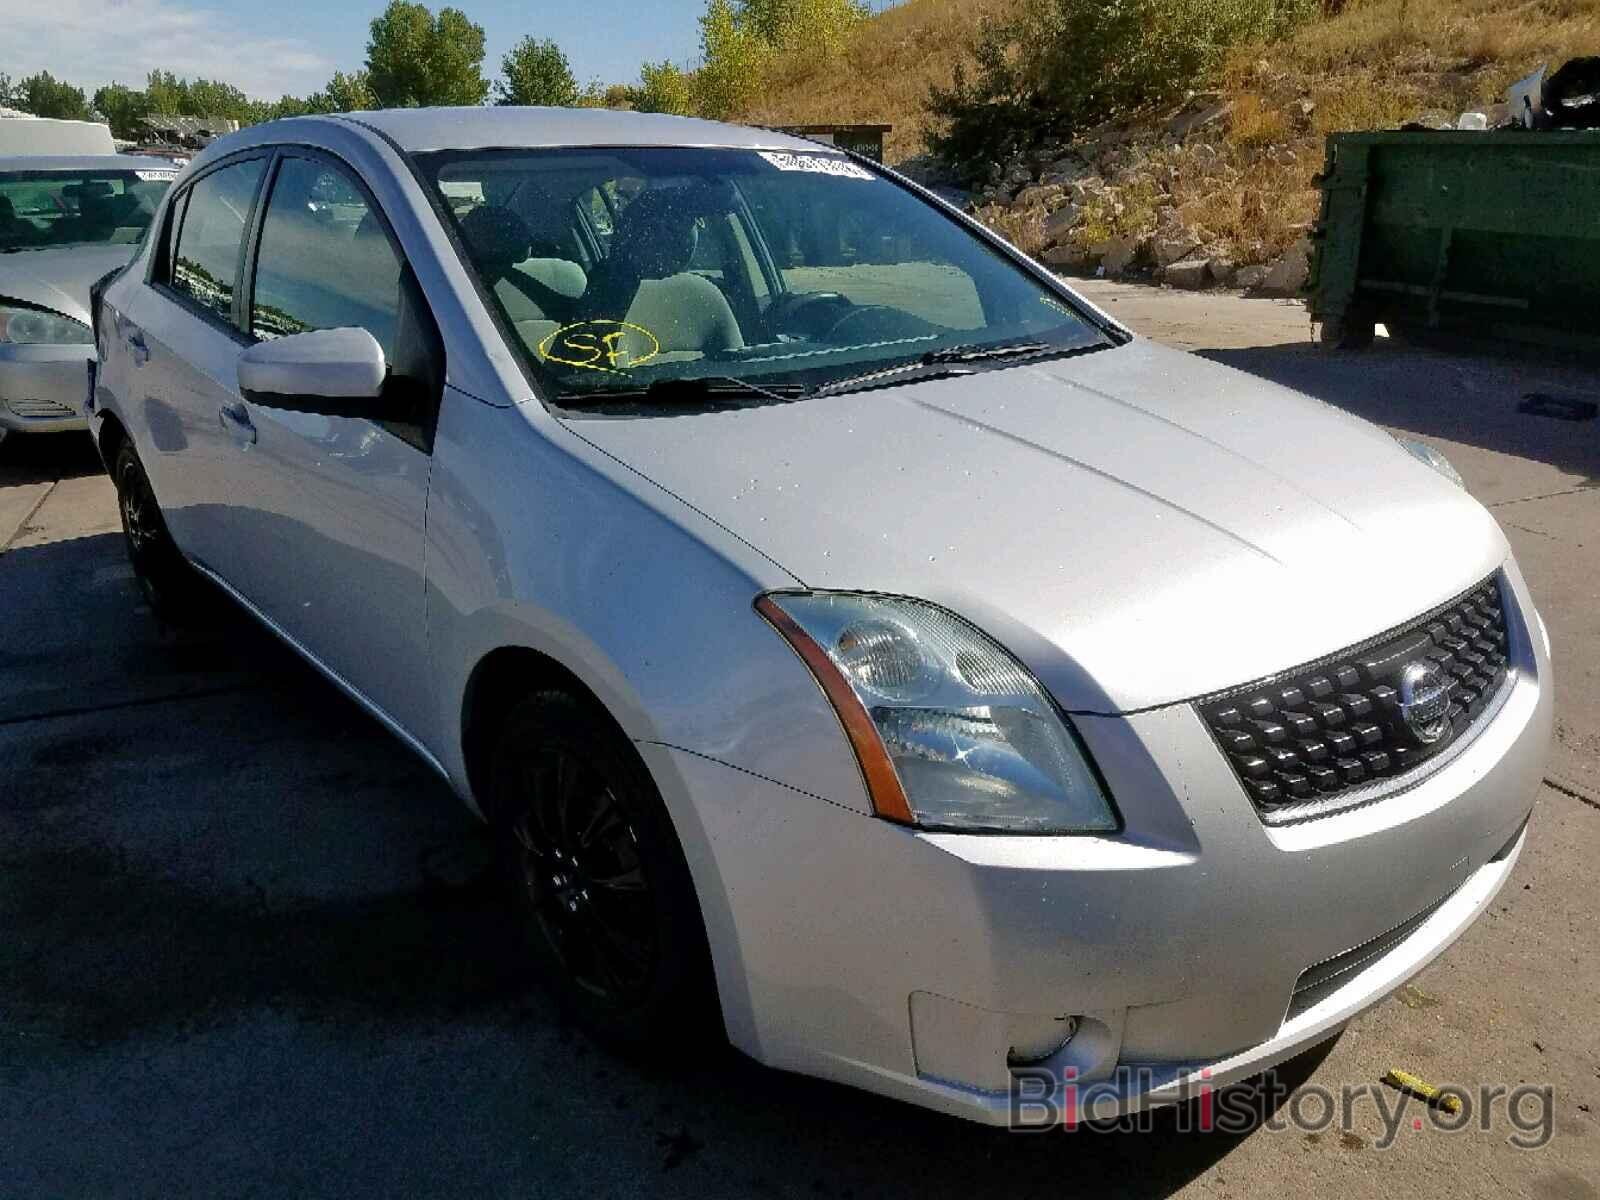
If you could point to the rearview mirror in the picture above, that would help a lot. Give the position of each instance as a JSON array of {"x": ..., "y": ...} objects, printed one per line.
[{"x": 338, "y": 372}]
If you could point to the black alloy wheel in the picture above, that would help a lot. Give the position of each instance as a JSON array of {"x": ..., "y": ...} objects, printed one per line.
[
  {"x": 175, "y": 592},
  {"x": 597, "y": 877}
]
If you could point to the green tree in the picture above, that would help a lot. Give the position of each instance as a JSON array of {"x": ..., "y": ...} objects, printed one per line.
[
  {"x": 165, "y": 92},
  {"x": 44, "y": 95},
  {"x": 596, "y": 94},
  {"x": 663, "y": 88},
  {"x": 344, "y": 93},
  {"x": 213, "y": 98},
  {"x": 7, "y": 100},
  {"x": 734, "y": 60},
  {"x": 816, "y": 26},
  {"x": 288, "y": 106},
  {"x": 122, "y": 107},
  {"x": 536, "y": 72},
  {"x": 415, "y": 59}
]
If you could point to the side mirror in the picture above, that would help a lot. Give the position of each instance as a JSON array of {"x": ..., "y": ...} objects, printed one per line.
[{"x": 336, "y": 372}]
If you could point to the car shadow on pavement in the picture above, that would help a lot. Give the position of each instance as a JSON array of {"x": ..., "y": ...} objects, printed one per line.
[
  {"x": 233, "y": 893},
  {"x": 46, "y": 457},
  {"x": 1500, "y": 403}
]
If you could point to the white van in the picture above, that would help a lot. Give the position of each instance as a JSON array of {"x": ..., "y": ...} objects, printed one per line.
[{"x": 48, "y": 135}]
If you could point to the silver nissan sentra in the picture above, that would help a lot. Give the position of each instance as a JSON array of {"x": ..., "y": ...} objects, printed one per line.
[{"x": 857, "y": 643}]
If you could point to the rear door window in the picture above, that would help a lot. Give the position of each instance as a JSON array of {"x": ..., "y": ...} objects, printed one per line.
[{"x": 211, "y": 241}]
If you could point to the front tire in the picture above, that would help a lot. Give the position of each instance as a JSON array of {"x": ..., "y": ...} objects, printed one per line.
[
  {"x": 594, "y": 871},
  {"x": 175, "y": 592}
]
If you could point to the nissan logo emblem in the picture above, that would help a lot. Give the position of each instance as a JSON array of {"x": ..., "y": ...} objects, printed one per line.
[{"x": 1425, "y": 701}]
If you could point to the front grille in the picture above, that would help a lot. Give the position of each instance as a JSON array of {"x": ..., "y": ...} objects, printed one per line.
[
  {"x": 1321, "y": 980},
  {"x": 39, "y": 408},
  {"x": 1330, "y": 734}
]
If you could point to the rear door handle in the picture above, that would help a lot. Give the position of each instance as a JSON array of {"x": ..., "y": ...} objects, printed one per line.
[
  {"x": 137, "y": 348},
  {"x": 235, "y": 418}
]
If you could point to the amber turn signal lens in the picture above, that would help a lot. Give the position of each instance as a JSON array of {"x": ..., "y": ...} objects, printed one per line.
[{"x": 883, "y": 784}]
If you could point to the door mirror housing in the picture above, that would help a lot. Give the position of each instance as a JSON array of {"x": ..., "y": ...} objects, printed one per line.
[{"x": 336, "y": 372}]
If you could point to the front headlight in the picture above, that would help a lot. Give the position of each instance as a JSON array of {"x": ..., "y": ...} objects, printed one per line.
[
  {"x": 35, "y": 327},
  {"x": 1425, "y": 453},
  {"x": 951, "y": 731}
]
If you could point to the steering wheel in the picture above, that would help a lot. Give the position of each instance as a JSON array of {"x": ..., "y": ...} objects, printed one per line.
[
  {"x": 874, "y": 322},
  {"x": 809, "y": 314}
]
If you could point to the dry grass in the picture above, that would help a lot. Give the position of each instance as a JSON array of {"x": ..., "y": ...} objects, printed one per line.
[
  {"x": 1450, "y": 53},
  {"x": 1128, "y": 209},
  {"x": 1255, "y": 122},
  {"x": 883, "y": 75},
  {"x": 1257, "y": 208},
  {"x": 1376, "y": 65}
]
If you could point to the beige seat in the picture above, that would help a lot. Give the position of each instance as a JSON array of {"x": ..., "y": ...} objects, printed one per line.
[
  {"x": 498, "y": 241},
  {"x": 687, "y": 314},
  {"x": 645, "y": 280}
]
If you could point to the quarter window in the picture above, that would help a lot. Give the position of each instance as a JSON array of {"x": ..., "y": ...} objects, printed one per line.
[
  {"x": 325, "y": 261},
  {"x": 212, "y": 236}
]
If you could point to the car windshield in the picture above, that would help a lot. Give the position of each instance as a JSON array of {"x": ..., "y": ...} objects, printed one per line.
[
  {"x": 619, "y": 269},
  {"x": 42, "y": 209}
]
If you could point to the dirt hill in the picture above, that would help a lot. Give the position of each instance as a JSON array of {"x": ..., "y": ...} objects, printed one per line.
[{"x": 1226, "y": 178}]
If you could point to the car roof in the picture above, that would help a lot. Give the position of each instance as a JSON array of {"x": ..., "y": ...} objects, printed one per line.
[
  {"x": 85, "y": 162},
  {"x": 423, "y": 129}
]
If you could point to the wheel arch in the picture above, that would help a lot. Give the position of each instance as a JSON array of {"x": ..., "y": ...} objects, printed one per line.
[
  {"x": 507, "y": 673},
  {"x": 109, "y": 435},
  {"x": 497, "y": 681}
]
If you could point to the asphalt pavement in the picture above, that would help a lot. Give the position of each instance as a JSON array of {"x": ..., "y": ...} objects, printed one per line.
[{"x": 245, "y": 949}]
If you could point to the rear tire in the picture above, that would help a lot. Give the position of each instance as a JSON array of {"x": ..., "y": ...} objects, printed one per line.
[
  {"x": 176, "y": 593},
  {"x": 597, "y": 879},
  {"x": 1354, "y": 330}
]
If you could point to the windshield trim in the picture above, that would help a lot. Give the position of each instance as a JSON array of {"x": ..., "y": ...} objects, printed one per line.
[{"x": 547, "y": 391}]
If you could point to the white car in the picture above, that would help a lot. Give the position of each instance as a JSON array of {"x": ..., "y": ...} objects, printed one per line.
[
  {"x": 65, "y": 222},
  {"x": 856, "y": 642}
]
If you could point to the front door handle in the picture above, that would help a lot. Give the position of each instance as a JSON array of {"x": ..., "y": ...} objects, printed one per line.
[
  {"x": 137, "y": 348},
  {"x": 235, "y": 418}
]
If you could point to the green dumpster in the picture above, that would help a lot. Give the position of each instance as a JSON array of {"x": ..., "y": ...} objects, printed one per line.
[{"x": 1488, "y": 234}]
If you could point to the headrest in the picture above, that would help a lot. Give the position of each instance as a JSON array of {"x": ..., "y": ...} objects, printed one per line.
[
  {"x": 657, "y": 233},
  {"x": 496, "y": 236}
]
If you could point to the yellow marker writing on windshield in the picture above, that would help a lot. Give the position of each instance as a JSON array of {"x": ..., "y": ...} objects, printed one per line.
[{"x": 611, "y": 346}]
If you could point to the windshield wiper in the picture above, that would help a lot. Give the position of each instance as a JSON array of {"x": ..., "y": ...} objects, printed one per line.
[
  {"x": 942, "y": 364},
  {"x": 966, "y": 354},
  {"x": 915, "y": 371},
  {"x": 699, "y": 387}
]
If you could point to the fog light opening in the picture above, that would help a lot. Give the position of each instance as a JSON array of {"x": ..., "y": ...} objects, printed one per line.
[{"x": 1031, "y": 1056}]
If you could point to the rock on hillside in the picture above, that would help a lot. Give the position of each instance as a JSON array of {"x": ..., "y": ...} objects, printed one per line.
[{"x": 1175, "y": 201}]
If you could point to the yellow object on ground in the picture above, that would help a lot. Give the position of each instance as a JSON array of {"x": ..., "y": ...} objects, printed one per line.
[{"x": 1407, "y": 1082}]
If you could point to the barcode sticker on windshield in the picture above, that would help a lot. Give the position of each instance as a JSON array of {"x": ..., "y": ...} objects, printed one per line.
[
  {"x": 817, "y": 164},
  {"x": 155, "y": 176}
]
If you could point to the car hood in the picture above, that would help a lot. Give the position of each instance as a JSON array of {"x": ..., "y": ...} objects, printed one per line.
[
  {"x": 59, "y": 279},
  {"x": 1140, "y": 526}
]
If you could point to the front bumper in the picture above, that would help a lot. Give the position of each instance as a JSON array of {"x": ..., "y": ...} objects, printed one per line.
[
  {"x": 913, "y": 963},
  {"x": 43, "y": 388}
]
